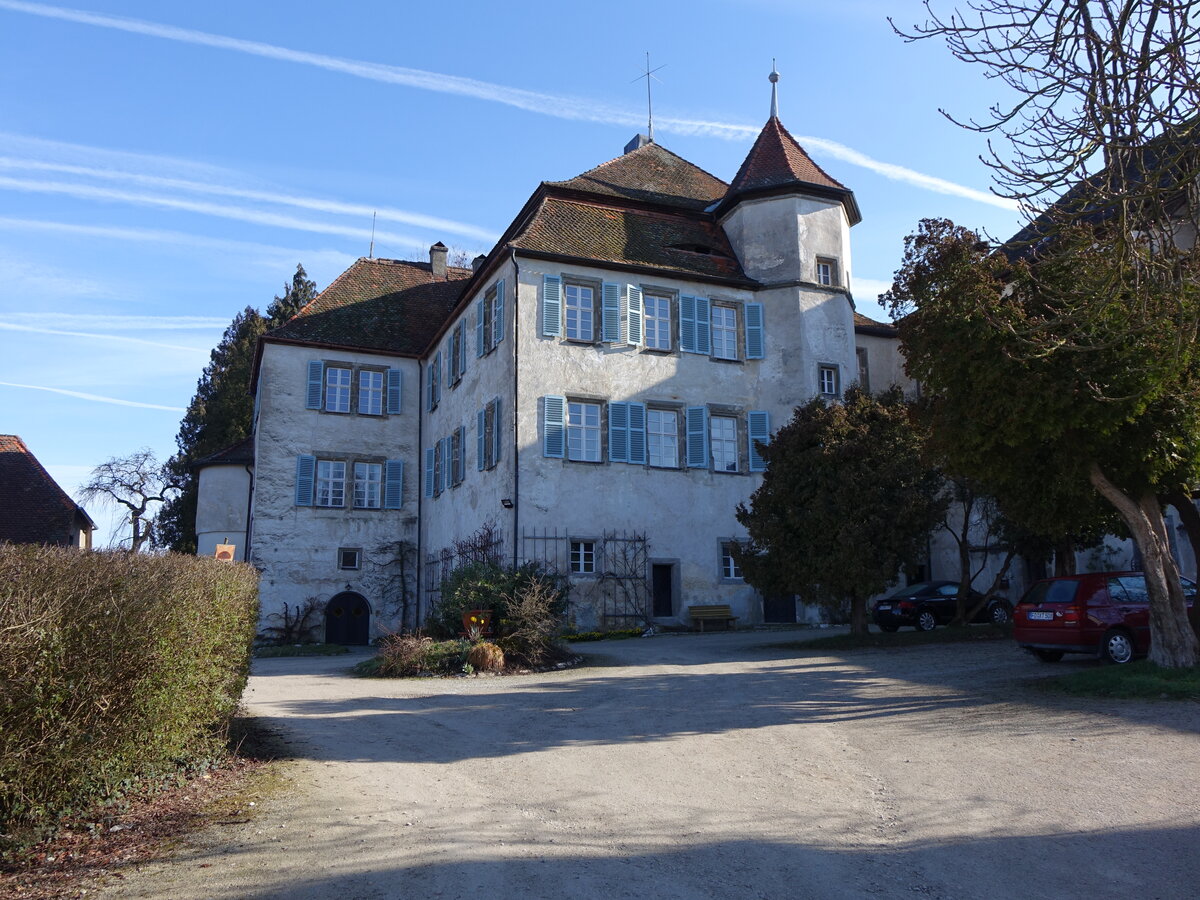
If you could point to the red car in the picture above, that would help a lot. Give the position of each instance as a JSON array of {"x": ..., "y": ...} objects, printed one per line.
[{"x": 1105, "y": 614}]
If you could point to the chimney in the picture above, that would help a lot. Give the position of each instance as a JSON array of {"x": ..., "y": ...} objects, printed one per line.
[
  {"x": 437, "y": 260},
  {"x": 639, "y": 141},
  {"x": 477, "y": 262}
]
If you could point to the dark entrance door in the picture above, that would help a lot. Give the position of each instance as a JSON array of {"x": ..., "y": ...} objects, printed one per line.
[
  {"x": 779, "y": 608},
  {"x": 347, "y": 619},
  {"x": 661, "y": 582}
]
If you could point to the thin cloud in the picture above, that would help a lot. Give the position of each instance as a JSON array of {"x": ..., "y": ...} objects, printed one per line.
[
  {"x": 531, "y": 101},
  {"x": 95, "y": 398},
  {"x": 361, "y": 210},
  {"x": 12, "y": 326},
  {"x": 238, "y": 213}
]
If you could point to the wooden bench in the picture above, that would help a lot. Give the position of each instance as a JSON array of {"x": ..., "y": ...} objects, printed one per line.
[{"x": 713, "y": 613}]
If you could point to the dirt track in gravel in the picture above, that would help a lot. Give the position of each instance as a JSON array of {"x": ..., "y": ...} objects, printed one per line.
[{"x": 710, "y": 766}]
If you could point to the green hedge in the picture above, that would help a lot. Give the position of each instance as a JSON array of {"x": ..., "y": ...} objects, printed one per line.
[{"x": 113, "y": 667}]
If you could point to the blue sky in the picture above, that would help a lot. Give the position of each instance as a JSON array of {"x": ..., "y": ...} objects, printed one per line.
[{"x": 163, "y": 165}]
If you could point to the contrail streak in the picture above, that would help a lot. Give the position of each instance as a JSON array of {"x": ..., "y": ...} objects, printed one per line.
[
  {"x": 11, "y": 326},
  {"x": 93, "y": 397},
  {"x": 562, "y": 107}
]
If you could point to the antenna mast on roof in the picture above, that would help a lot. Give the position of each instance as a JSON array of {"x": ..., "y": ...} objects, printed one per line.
[
  {"x": 648, "y": 74},
  {"x": 774, "y": 76},
  {"x": 371, "y": 252}
]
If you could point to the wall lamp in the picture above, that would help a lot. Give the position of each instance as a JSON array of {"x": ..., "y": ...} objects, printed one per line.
[{"x": 506, "y": 503}]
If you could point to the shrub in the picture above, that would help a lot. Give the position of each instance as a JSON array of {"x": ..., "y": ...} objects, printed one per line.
[
  {"x": 489, "y": 586},
  {"x": 113, "y": 667},
  {"x": 486, "y": 657},
  {"x": 533, "y": 618},
  {"x": 409, "y": 654}
]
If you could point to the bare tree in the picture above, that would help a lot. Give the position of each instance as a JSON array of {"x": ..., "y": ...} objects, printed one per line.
[{"x": 137, "y": 482}]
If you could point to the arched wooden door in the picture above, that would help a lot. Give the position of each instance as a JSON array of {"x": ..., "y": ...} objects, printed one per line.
[{"x": 347, "y": 619}]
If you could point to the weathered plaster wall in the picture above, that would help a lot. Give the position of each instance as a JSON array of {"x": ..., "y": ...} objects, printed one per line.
[
  {"x": 221, "y": 508},
  {"x": 297, "y": 547},
  {"x": 885, "y": 363}
]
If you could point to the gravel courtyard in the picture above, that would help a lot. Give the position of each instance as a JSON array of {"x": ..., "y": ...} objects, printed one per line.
[{"x": 710, "y": 766}]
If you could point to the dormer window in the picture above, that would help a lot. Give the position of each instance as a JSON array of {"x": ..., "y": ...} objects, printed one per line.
[{"x": 827, "y": 271}]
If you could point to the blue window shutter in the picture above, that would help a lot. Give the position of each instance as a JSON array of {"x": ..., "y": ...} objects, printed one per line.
[
  {"x": 435, "y": 379},
  {"x": 429, "y": 466},
  {"x": 306, "y": 472},
  {"x": 316, "y": 384},
  {"x": 393, "y": 484},
  {"x": 480, "y": 445},
  {"x": 618, "y": 432},
  {"x": 687, "y": 324},
  {"x": 702, "y": 325},
  {"x": 480, "y": 343},
  {"x": 610, "y": 309},
  {"x": 759, "y": 430},
  {"x": 554, "y": 435},
  {"x": 755, "y": 346},
  {"x": 697, "y": 437},
  {"x": 633, "y": 327},
  {"x": 395, "y": 391},
  {"x": 443, "y": 481},
  {"x": 461, "y": 328},
  {"x": 498, "y": 315},
  {"x": 551, "y": 306},
  {"x": 462, "y": 452},
  {"x": 637, "y": 433},
  {"x": 496, "y": 431}
]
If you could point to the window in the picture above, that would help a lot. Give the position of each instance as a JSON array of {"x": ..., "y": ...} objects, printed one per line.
[
  {"x": 662, "y": 436},
  {"x": 435, "y": 381},
  {"x": 487, "y": 442},
  {"x": 864, "y": 372},
  {"x": 368, "y": 483},
  {"x": 579, "y": 312},
  {"x": 723, "y": 441},
  {"x": 349, "y": 558},
  {"x": 370, "y": 393},
  {"x": 583, "y": 431},
  {"x": 827, "y": 271},
  {"x": 456, "y": 358},
  {"x": 337, "y": 390},
  {"x": 583, "y": 557},
  {"x": 456, "y": 450},
  {"x": 729, "y": 566},
  {"x": 724, "y": 332},
  {"x": 331, "y": 483},
  {"x": 828, "y": 381},
  {"x": 657, "y": 313}
]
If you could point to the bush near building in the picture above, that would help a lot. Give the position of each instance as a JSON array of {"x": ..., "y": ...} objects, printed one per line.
[{"x": 114, "y": 667}]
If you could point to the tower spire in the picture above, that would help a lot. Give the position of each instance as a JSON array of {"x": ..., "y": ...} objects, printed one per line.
[{"x": 774, "y": 77}]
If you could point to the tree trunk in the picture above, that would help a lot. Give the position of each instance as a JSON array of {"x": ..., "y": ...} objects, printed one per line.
[
  {"x": 1189, "y": 516},
  {"x": 858, "y": 615},
  {"x": 1173, "y": 644},
  {"x": 1064, "y": 558}
]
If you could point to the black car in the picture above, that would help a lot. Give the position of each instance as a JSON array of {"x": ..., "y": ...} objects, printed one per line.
[{"x": 927, "y": 604}]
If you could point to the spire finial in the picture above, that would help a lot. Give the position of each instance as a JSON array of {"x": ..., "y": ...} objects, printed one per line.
[{"x": 774, "y": 77}]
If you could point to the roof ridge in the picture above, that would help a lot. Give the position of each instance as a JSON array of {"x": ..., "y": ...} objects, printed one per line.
[{"x": 643, "y": 148}]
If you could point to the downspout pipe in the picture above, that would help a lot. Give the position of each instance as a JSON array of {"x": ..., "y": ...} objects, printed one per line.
[
  {"x": 516, "y": 479},
  {"x": 420, "y": 568}
]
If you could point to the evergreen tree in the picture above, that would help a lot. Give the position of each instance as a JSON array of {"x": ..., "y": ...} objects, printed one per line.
[{"x": 222, "y": 411}]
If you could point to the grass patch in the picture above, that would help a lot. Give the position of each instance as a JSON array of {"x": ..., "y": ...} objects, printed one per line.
[
  {"x": 900, "y": 639},
  {"x": 617, "y": 634},
  {"x": 1141, "y": 680},
  {"x": 275, "y": 650}
]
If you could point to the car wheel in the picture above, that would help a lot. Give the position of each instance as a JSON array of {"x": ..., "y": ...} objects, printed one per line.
[
  {"x": 999, "y": 614},
  {"x": 890, "y": 629},
  {"x": 1048, "y": 655},
  {"x": 926, "y": 620},
  {"x": 1117, "y": 647}
]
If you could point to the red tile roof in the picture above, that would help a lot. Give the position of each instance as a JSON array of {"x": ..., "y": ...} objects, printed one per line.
[
  {"x": 778, "y": 161},
  {"x": 676, "y": 242},
  {"x": 33, "y": 508},
  {"x": 652, "y": 174},
  {"x": 389, "y": 305},
  {"x": 240, "y": 453},
  {"x": 870, "y": 326}
]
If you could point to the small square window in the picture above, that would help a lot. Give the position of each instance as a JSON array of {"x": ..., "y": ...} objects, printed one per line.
[
  {"x": 827, "y": 271},
  {"x": 828, "y": 381},
  {"x": 349, "y": 558},
  {"x": 729, "y": 566},
  {"x": 583, "y": 557}
]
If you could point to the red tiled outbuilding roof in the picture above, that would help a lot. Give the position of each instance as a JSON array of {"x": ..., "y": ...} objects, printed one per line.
[{"x": 33, "y": 508}]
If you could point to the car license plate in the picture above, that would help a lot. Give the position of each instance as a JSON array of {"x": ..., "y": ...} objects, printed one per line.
[{"x": 1040, "y": 616}]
